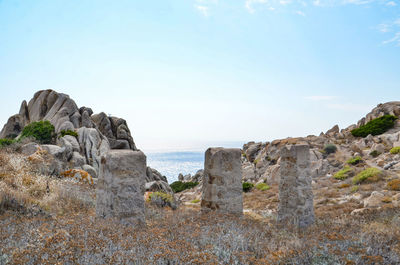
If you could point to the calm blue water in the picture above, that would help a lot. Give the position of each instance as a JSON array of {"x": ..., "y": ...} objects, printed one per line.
[{"x": 173, "y": 163}]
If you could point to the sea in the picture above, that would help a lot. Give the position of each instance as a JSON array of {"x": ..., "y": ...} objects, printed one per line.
[{"x": 171, "y": 164}]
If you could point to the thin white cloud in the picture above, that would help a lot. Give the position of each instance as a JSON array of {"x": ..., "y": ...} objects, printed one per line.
[
  {"x": 395, "y": 39},
  {"x": 284, "y": 2},
  {"x": 358, "y": 2},
  {"x": 300, "y": 13},
  {"x": 384, "y": 28},
  {"x": 204, "y": 6},
  {"x": 393, "y": 27},
  {"x": 391, "y": 3},
  {"x": 349, "y": 107},
  {"x": 320, "y": 98},
  {"x": 204, "y": 10},
  {"x": 249, "y": 4}
]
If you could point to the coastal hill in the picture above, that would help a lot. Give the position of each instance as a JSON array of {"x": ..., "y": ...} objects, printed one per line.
[{"x": 49, "y": 162}]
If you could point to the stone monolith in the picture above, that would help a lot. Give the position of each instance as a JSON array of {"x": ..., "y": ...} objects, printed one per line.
[
  {"x": 222, "y": 181},
  {"x": 120, "y": 187},
  {"x": 295, "y": 190}
]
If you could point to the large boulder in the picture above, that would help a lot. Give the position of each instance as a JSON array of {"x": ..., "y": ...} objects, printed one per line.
[
  {"x": 116, "y": 130},
  {"x": 93, "y": 146},
  {"x": 388, "y": 108},
  {"x": 156, "y": 182}
]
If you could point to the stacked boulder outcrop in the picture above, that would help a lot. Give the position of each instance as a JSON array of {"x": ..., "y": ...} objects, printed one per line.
[
  {"x": 222, "y": 181},
  {"x": 296, "y": 205},
  {"x": 96, "y": 135},
  {"x": 64, "y": 114}
]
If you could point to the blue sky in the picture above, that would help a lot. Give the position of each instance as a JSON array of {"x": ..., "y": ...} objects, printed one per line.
[{"x": 194, "y": 73}]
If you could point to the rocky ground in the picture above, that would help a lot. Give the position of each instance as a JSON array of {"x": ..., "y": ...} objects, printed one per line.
[
  {"x": 261, "y": 163},
  {"x": 47, "y": 211},
  {"x": 48, "y": 220}
]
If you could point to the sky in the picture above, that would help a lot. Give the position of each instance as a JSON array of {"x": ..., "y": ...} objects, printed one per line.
[{"x": 188, "y": 74}]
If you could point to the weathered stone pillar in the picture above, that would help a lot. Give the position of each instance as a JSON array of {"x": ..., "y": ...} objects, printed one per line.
[
  {"x": 222, "y": 181},
  {"x": 295, "y": 190},
  {"x": 120, "y": 187}
]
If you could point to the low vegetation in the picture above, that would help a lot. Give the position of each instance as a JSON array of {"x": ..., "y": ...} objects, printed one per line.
[
  {"x": 42, "y": 131},
  {"x": 344, "y": 173},
  {"x": 354, "y": 189},
  {"x": 395, "y": 150},
  {"x": 162, "y": 199},
  {"x": 368, "y": 175},
  {"x": 375, "y": 127},
  {"x": 179, "y": 186},
  {"x": 24, "y": 189},
  {"x": 6, "y": 142},
  {"x": 68, "y": 132},
  {"x": 262, "y": 186},
  {"x": 394, "y": 184},
  {"x": 354, "y": 161},
  {"x": 247, "y": 186},
  {"x": 374, "y": 153},
  {"x": 330, "y": 149}
]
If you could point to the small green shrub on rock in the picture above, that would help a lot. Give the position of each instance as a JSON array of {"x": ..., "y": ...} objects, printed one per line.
[
  {"x": 68, "y": 132},
  {"x": 395, "y": 150},
  {"x": 374, "y": 154},
  {"x": 262, "y": 186},
  {"x": 375, "y": 127},
  {"x": 42, "y": 131},
  {"x": 162, "y": 199},
  {"x": 6, "y": 142},
  {"x": 330, "y": 149},
  {"x": 247, "y": 186},
  {"x": 371, "y": 174},
  {"x": 354, "y": 189},
  {"x": 179, "y": 186},
  {"x": 354, "y": 160},
  {"x": 344, "y": 173}
]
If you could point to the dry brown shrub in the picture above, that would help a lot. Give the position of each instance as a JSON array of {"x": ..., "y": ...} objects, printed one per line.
[
  {"x": 344, "y": 185},
  {"x": 394, "y": 184}
]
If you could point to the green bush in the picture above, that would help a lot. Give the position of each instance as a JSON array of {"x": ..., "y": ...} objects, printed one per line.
[
  {"x": 179, "y": 186},
  {"x": 262, "y": 186},
  {"x": 370, "y": 174},
  {"x": 330, "y": 149},
  {"x": 374, "y": 153},
  {"x": 42, "y": 131},
  {"x": 354, "y": 160},
  {"x": 344, "y": 173},
  {"x": 354, "y": 189},
  {"x": 395, "y": 150},
  {"x": 162, "y": 199},
  {"x": 6, "y": 142},
  {"x": 68, "y": 132},
  {"x": 375, "y": 127},
  {"x": 247, "y": 186}
]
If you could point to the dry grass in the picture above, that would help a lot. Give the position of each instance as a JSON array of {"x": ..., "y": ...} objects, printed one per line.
[
  {"x": 23, "y": 187},
  {"x": 69, "y": 233},
  {"x": 190, "y": 237}
]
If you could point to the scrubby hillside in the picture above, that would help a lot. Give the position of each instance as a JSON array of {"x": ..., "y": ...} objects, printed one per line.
[{"x": 50, "y": 218}]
